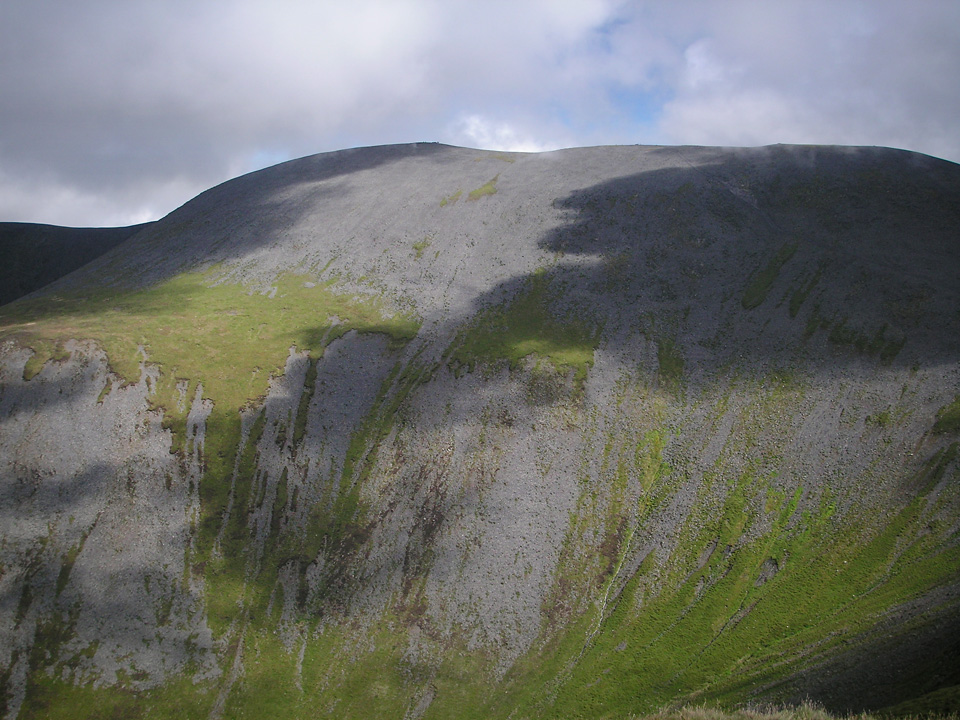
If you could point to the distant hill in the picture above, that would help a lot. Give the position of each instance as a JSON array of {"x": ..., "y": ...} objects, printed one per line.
[
  {"x": 419, "y": 431},
  {"x": 35, "y": 255}
]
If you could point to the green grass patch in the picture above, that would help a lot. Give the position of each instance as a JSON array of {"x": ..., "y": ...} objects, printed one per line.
[
  {"x": 879, "y": 344},
  {"x": 527, "y": 326},
  {"x": 705, "y": 632},
  {"x": 948, "y": 418},
  {"x": 880, "y": 419},
  {"x": 763, "y": 279},
  {"x": 943, "y": 703},
  {"x": 227, "y": 337},
  {"x": 488, "y": 188},
  {"x": 669, "y": 362},
  {"x": 51, "y": 698},
  {"x": 420, "y": 246},
  {"x": 107, "y": 387},
  {"x": 306, "y": 395},
  {"x": 452, "y": 199},
  {"x": 44, "y": 351}
]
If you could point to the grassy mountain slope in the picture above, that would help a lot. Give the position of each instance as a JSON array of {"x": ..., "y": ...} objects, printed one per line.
[{"x": 422, "y": 431}]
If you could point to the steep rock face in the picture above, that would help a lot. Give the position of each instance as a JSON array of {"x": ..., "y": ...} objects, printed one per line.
[
  {"x": 96, "y": 517},
  {"x": 440, "y": 432}
]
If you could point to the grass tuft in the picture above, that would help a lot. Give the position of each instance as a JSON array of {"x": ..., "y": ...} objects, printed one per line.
[
  {"x": 948, "y": 418},
  {"x": 420, "y": 246},
  {"x": 670, "y": 362},
  {"x": 451, "y": 200},
  {"x": 528, "y": 326},
  {"x": 488, "y": 188},
  {"x": 763, "y": 279}
]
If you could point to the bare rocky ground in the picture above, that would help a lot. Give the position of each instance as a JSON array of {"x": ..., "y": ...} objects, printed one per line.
[{"x": 772, "y": 334}]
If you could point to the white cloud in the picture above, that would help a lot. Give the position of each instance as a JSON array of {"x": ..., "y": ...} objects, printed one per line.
[
  {"x": 877, "y": 73},
  {"x": 477, "y": 131},
  {"x": 701, "y": 69},
  {"x": 112, "y": 105},
  {"x": 54, "y": 203}
]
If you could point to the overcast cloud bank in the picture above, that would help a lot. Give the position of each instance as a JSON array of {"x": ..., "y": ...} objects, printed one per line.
[{"x": 116, "y": 113}]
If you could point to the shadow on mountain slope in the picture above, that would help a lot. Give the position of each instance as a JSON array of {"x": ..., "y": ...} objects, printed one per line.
[
  {"x": 747, "y": 258},
  {"x": 753, "y": 255},
  {"x": 241, "y": 215},
  {"x": 909, "y": 653},
  {"x": 36, "y": 255},
  {"x": 803, "y": 259},
  {"x": 87, "y": 583},
  {"x": 724, "y": 253}
]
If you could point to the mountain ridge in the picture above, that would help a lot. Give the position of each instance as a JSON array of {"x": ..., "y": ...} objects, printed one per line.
[
  {"x": 39, "y": 254},
  {"x": 530, "y": 428}
]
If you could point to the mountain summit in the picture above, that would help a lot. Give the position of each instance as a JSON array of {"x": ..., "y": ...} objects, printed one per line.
[{"x": 423, "y": 431}]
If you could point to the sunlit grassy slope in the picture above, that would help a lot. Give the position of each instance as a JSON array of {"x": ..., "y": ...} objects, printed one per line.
[{"x": 230, "y": 338}]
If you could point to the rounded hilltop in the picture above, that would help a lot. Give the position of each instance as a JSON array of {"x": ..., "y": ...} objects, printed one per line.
[{"x": 428, "y": 431}]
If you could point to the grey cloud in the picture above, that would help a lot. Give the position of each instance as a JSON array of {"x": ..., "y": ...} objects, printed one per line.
[
  {"x": 112, "y": 112},
  {"x": 872, "y": 73}
]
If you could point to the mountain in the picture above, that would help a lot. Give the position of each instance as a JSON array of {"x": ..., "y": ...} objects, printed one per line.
[
  {"x": 36, "y": 255},
  {"x": 423, "y": 431}
]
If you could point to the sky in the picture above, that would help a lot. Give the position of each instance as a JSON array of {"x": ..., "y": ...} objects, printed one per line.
[{"x": 114, "y": 112}]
